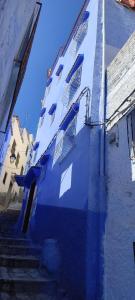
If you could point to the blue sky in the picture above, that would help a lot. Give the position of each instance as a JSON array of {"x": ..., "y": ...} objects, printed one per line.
[{"x": 55, "y": 24}]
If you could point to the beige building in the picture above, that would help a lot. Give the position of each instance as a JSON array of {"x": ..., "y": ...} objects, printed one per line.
[{"x": 17, "y": 152}]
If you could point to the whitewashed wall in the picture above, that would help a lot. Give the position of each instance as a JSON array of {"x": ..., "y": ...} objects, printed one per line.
[
  {"x": 120, "y": 224},
  {"x": 14, "y": 19},
  {"x": 119, "y": 279}
]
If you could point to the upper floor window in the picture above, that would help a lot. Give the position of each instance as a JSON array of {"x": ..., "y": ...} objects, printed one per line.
[
  {"x": 22, "y": 170},
  {"x": 26, "y": 152},
  {"x": 131, "y": 133},
  {"x": 5, "y": 178},
  {"x": 42, "y": 116},
  {"x": 52, "y": 111},
  {"x": 82, "y": 30},
  {"x": 74, "y": 84},
  {"x": 66, "y": 136},
  {"x": 48, "y": 84},
  {"x": 13, "y": 148},
  {"x": 74, "y": 79},
  {"x": 17, "y": 160},
  {"x": 65, "y": 141},
  {"x": 59, "y": 70}
]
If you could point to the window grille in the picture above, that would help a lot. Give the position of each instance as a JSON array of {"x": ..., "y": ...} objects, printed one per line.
[
  {"x": 65, "y": 141},
  {"x": 80, "y": 35},
  {"x": 74, "y": 84},
  {"x": 42, "y": 120},
  {"x": 52, "y": 117},
  {"x": 72, "y": 87}
]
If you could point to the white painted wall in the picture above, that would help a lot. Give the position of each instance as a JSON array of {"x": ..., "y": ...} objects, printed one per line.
[
  {"x": 120, "y": 224},
  {"x": 119, "y": 278},
  {"x": 14, "y": 19}
]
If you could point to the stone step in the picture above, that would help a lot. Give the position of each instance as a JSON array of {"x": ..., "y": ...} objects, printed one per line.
[
  {"x": 19, "y": 261},
  {"x": 23, "y": 282},
  {"x": 26, "y": 296},
  {"x": 14, "y": 241},
  {"x": 20, "y": 250}
]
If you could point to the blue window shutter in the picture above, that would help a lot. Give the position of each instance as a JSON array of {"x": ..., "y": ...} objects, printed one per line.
[
  {"x": 44, "y": 158},
  {"x": 49, "y": 81},
  {"x": 76, "y": 65},
  {"x": 36, "y": 145},
  {"x": 26, "y": 180},
  {"x": 52, "y": 109},
  {"x": 85, "y": 16},
  {"x": 43, "y": 110},
  {"x": 70, "y": 116},
  {"x": 60, "y": 68}
]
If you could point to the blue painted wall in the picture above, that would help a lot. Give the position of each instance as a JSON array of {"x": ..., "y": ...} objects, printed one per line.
[
  {"x": 77, "y": 218},
  {"x": 69, "y": 218}
]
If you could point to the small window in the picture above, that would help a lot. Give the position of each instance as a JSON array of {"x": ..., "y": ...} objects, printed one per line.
[
  {"x": 41, "y": 121},
  {"x": 82, "y": 31},
  {"x": 26, "y": 150},
  {"x": 13, "y": 147},
  {"x": 131, "y": 134},
  {"x": 52, "y": 117},
  {"x": 22, "y": 170},
  {"x": 17, "y": 160},
  {"x": 4, "y": 178},
  {"x": 74, "y": 84},
  {"x": 65, "y": 141}
]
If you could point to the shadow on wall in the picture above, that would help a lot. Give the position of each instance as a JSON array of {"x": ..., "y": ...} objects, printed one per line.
[{"x": 65, "y": 218}]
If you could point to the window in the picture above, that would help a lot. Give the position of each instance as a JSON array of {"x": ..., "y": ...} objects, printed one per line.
[
  {"x": 65, "y": 141},
  {"x": 4, "y": 178},
  {"x": 74, "y": 84},
  {"x": 73, "y": 79},
  {"x": 51, "y": 112},
  {"x": 42, "y": 121},
  {"x": 26, "y": 150},
  {"x": 17, "y": 160},
  {"x": 52, "y": 117},
  {"x": 13, "y": 147},
  {"x": 22, "y": 170},
  {"x": 82, "y": 30},
  {"x": 131, "y": 133}
]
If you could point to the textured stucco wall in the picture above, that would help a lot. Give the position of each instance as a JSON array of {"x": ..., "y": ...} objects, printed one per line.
[
  {"x": 120, "y": 76},
  {"x": 119, "y": 279},
  {"x": 120, "y": 224},
  {"x": 120, "y": 25},
  {"x": 14, "y": 19}
]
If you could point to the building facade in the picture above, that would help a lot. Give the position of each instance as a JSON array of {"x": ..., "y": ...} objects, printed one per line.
[
  {"x": 18, "y": 21},
  {"x": 19, "y": 143},
  {"x": 120, "y": 161},
  {"x": 65, "y": 194}
]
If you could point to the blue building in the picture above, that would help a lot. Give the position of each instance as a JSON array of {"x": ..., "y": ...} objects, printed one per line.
[{"x": 65, "y": 196}]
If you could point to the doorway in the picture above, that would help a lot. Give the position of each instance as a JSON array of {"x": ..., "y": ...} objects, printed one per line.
[{"x": 27, "y": 213}]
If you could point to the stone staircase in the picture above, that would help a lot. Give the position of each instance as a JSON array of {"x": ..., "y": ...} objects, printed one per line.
[{"x": 21, "y": 275}]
